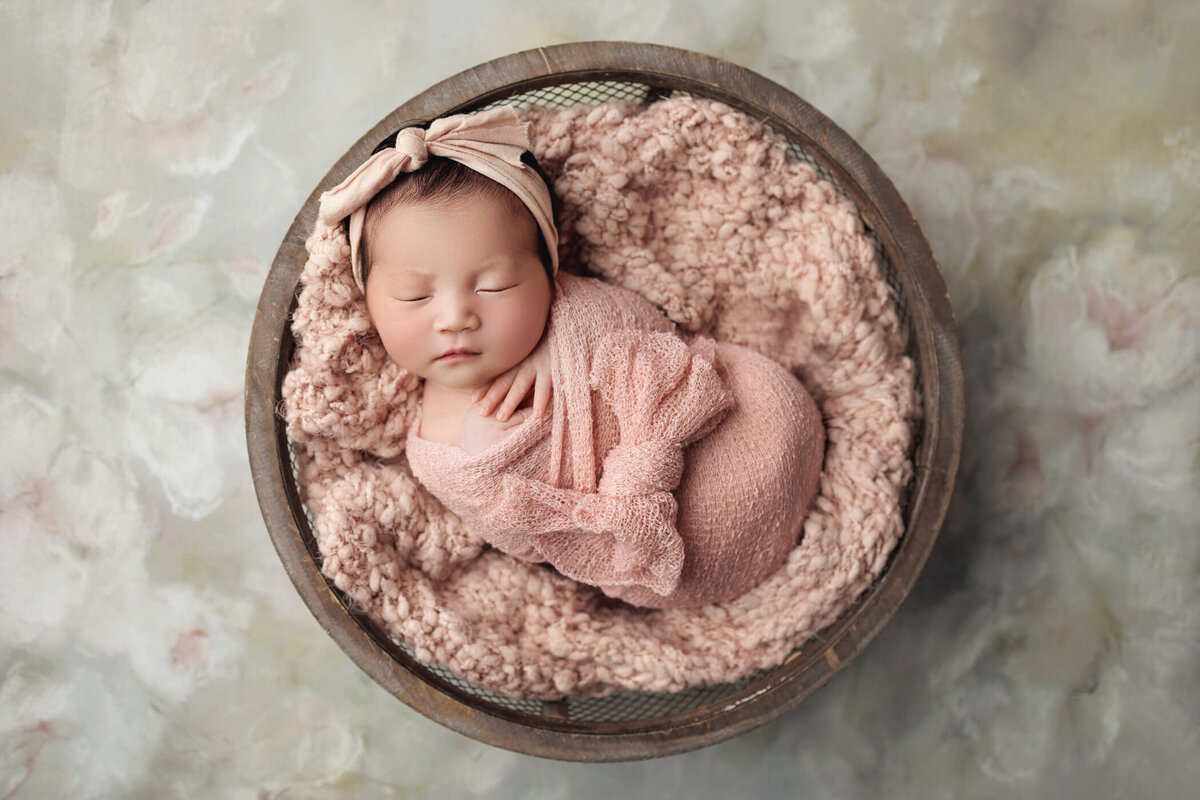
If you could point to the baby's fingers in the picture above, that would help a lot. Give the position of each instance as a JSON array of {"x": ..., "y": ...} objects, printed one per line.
[
  {"x": 541, "y": 396},
  {"x": 516, "y": 393},
  {"x": 488, "y": 400},
  {"x": 518, "y": 417}
]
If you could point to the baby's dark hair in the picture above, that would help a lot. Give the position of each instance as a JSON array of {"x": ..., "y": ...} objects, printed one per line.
[{"x": 443, "y": 179}]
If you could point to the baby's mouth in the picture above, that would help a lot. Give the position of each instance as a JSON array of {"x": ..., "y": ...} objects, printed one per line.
[{"x": 458, "y": 353}]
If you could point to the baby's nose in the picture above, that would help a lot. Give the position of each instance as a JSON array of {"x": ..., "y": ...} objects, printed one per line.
[{"x": 457, "y": 314}]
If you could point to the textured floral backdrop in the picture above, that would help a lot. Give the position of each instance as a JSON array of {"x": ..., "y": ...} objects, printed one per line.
[{"x": 152, "y": 154}]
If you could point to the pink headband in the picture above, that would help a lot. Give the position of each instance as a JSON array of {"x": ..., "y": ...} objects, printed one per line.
[{"x": 490, "y": 142}]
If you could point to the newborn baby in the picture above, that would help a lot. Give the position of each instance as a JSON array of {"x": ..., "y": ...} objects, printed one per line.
[{"x": 671, "y": 470}]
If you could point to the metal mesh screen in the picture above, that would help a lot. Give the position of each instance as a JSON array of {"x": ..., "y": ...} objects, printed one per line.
[
  {"x": 585, "y": 93},
  {"x": 621, "y": 707}
]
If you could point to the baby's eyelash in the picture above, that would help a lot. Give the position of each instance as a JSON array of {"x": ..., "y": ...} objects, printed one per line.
[{"x": 485, "y": 291}]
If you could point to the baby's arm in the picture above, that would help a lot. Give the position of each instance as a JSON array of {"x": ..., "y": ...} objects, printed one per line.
[{"x": 513, "y": 386}]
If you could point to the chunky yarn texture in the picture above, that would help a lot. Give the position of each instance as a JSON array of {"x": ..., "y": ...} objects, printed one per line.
[{"x": 698, "y": 209}]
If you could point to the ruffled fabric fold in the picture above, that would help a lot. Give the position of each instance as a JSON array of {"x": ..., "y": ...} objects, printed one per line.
[
  {"x": 604, "y": 540},
  {"x": 664, "y": 394}
]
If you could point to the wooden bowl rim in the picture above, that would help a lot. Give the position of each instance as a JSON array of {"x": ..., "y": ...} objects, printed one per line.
[{"x": 935, "y": 460}]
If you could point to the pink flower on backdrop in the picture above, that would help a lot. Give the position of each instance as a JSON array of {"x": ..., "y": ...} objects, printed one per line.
[
  {"x": 1113, "y": 325},
  {"x": 190, "y": 651},
  {"x": 270, "y": 80},
  {"x": 176, "y": 223},
  {"x": 19, "y": 754},
  {"x": 109, "y": 214}
]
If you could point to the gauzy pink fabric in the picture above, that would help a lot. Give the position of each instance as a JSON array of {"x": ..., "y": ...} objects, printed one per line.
[
  {"x": 700, "y": 210},
  {"x": 595, "y": 489}
]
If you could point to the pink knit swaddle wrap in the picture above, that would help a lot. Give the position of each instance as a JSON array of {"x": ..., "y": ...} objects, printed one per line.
[
  {"x": 595, "y": 490},
  {"x": 700, "y": 210}
]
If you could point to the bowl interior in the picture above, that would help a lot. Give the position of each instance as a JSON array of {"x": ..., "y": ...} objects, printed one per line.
[{"x": 622, "y": 710}]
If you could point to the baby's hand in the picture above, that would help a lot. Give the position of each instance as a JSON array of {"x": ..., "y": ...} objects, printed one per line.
[
  {"x": 512, "y": 386},
  {"x": 480, "y": 432}
]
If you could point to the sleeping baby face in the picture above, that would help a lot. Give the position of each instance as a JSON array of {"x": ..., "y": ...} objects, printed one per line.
[{"x": 456, "y": 288}]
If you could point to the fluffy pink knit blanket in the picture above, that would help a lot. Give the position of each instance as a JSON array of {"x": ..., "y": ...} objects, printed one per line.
[
  {"x": 701, "y": 211},
  {"x": 669, "y": 473}
]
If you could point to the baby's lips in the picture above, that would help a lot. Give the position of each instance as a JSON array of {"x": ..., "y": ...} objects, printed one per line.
[{"x": 457, "y": 352}]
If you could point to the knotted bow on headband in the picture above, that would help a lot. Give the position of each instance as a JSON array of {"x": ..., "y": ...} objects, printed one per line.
[{"x": 490, "y": 142}]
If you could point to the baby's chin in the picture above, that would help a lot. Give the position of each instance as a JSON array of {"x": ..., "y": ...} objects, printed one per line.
[{"x": 458, "y": 387}]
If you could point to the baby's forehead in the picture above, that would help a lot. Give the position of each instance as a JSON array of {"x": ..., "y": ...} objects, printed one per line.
[
  {"x": 426, "y": 242},
  {"x": 489, "y": 194},
  {"x": 466, "y": 218}
]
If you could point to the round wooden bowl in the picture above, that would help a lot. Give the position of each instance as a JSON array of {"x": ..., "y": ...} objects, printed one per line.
[{"x": 627, "y": 725}]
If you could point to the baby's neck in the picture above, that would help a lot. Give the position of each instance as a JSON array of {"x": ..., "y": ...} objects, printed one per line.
[
  {"x": 447, "y": 396},
  {"x": 442, "y": 411}
]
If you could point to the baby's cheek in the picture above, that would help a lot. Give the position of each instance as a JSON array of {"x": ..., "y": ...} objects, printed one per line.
[
  {"x": 524, "y": 326},
  {"x": 399, "y": 336}
]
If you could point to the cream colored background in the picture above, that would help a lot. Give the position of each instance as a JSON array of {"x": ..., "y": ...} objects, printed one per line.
[{"x": 152, "y": 157}]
